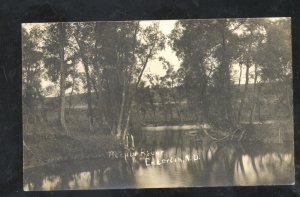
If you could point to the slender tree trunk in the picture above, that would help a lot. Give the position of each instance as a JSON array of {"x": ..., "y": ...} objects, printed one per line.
[
  {"x": 175, "y": 101},
  {"x": 278, "y": 87},
  {"x": 241, "y": 71},
  {"x": 97, "y": 85},
  {"x": 128, "y": 84},
  {"x": 127, "y": 124},
  {"x": 170, "y": 109},
  {"x": 135, "y": 90},
  {"x": 222, "y": 81},
  {"x": 93, "y": 82},
  {"x": 88, "y": 82},
  {"x": 89, "y": 99},
  {"x": 42, "y": 112},
  {"x": 254, "y": 101},
  {"x": 225, "y": 80},
  {"x": 177, "y": 104},
  {"x": 99, "y": 116},
  {"x": 61, "y": 115},
  {"x": 165, "y": 110},
  {"x": 71, "y": 94},
  {"x": 259, "y": 112},
  {"x": 120, "y": 120},
  {"x": 245, "y": 91},
  {"x": 205, "y": 103},
  {"x": 240, "y": 78}
]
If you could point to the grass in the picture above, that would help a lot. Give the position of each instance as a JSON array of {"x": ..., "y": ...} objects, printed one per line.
[
  {"x": 273, "y": 132},
  {"x": 42, "y": 150}
]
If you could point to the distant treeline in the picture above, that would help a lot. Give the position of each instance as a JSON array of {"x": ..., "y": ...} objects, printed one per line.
[{"x": 154, "y": 111}]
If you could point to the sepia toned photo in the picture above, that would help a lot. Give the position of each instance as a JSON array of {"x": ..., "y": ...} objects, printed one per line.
[{"x": 157, "y": 104}]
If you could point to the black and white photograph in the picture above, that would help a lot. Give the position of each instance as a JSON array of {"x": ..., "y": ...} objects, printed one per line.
[{"x": 157, "y": 104}]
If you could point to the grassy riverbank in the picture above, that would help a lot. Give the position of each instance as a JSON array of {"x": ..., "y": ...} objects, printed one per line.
[
  {"x": 47, "y": 144},
  {"x": 41, "y": 149},
  {"x": 269, "y": 132}
]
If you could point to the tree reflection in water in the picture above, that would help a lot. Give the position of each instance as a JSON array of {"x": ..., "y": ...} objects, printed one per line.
[{"x": 199, "y": 163}]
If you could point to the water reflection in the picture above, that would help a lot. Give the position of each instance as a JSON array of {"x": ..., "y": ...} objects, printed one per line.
[
  {"x": 171, "y": 159},
  {"x": 260, "y": 169}
]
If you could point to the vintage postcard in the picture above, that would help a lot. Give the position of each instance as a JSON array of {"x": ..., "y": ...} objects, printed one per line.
[{"x": 157, "y": 104}]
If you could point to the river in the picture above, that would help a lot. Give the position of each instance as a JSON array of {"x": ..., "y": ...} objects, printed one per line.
[{"x": 171, "y": 159}]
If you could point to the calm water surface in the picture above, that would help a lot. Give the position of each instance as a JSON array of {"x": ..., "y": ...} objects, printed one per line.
[{"x": 171, "y": 159}]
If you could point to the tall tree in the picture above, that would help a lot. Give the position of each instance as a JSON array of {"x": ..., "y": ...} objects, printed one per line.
[
  {"x": 193, "y": 45},
  {"x": 59, "y": 57},
  {"x": 62, "y": 38},
  {"x": 113, "y": 62},
  {"x": 226, "y": 54},
  {"x": 151, "y": 41},
  {"x": 274, "y": 58},
  {"x": 207, "y": 49},
  {"x": 250, "y": 40},
  {"x": 85, "y": 40},
  {"x": 32, "y": 70}
]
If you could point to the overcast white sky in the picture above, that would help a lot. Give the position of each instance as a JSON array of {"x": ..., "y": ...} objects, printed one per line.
[{"x": 155, "y": 66}]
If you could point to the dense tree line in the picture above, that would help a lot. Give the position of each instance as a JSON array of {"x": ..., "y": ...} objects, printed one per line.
[
  {"x": 110, "y": 59},
  {"x": 209, "y": 49},
  {"x": 114, "y": 56}
]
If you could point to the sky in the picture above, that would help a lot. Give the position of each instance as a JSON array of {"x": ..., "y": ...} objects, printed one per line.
[{"x": 155, "y": 66}]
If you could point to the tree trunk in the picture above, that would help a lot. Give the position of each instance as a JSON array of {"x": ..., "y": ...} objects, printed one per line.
[
  {"x": 241, "y": 71},
  {"x": 127, "y": 124},
  {"x": 177, "y": 105},
  {"x": 61, "y": 115},
  {"x": 88, "y": 82},
  {"x": 71, "y": 94},
  {"x": 89, "y": 99},
  {"x": 120, "y": 120},
  {"x": 97, "y": 85},
  {"x": 129, "y": 78},
  {"x": 226, "y": 104},
  {"x": 205, "y": 102},
  {"x": 43, "y": 111},
  {"x": 245, "y": 91},
  {"x": 135, "y": 90},
  {"x": 254, "y": 101}
]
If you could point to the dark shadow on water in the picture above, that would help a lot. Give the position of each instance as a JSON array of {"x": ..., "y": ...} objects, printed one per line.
[{"x": 174, "y": 160}]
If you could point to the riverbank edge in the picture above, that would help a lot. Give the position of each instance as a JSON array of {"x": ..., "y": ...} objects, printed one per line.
[{"x": 41, "y": 150}]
